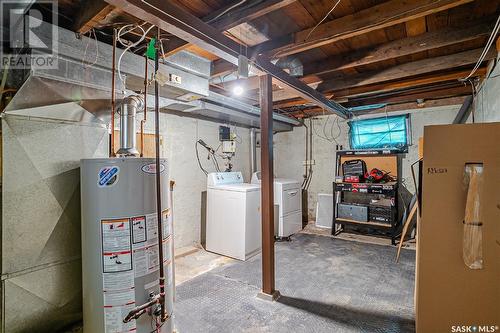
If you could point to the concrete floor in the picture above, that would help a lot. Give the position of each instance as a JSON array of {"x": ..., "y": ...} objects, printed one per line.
[
  {"x": 328, "y": 285},
  {"x": 344, "y": 284}
]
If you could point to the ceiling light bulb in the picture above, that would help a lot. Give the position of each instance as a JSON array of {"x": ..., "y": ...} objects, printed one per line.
[{"x": 238, "y": 90}]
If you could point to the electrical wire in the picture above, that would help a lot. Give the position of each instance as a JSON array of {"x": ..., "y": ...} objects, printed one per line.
[
  {"x": 490, "y": 42},
  {"x": 129, "y": 44},
  {"x": 86, "y": 64},
  {"x": 198, "y": 158},
  {"x": 324, "y": 18},
  {"x": 227, "y": 10}
]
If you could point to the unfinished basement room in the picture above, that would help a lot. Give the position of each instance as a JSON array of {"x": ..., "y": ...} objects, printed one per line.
[{"x": 250, "y": 166}]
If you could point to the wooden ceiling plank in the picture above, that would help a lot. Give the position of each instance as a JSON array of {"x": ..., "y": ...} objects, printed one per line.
[
  {"x": 432, "y": 103},
  {"x": 178, "y": 21},
  {"x": 237, "y": 17},
  {"x": 416, "y": 27},
  {"x": 459, "y": 90},
  {"x": 406, "y": 70},
  {"x": 339, "y": 95},
  {"x": 91, "y": 15},
  {"x": 374, "y": 18},
  {"x": 234, "y": 18},
  {"x": 402, "y": 47}
]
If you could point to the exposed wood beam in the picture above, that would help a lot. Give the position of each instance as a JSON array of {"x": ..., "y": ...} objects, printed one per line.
[
  {"x": 267, "y": 196},
  {"x": 234, "y": 18},
  {"x": 399, "y": 48},
  {"x": 245, "y": 14},
  {"x": 406, "y": 70},
  {"x": 408, "y": 83},
  {"x": 391, "y": 50},
  {"x": 91, "y": 15},
  {"x": 377, "y": 17},
  {"x": 393, "y": 108},
  {"x": 175, "y": 20},
  {"x": 416, "y": 27},
  {"x": 457, "y": 90},
  {"x": 221, "y": 67},
  {"x": 341, "y": 96}
]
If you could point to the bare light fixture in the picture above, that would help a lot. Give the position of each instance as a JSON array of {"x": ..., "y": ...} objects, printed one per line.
[{"x": 238, "y": 90}]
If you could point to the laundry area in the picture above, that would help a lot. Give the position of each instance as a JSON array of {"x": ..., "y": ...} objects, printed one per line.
[{"x": 249, "y": 166}]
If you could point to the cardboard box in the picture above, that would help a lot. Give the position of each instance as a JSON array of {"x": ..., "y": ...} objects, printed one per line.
[
  {"x": 421, "y": 147},
  {"x": 450, "y": 295}
]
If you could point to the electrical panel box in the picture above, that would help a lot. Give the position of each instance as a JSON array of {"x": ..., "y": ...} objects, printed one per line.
[{"x": 224, "y": 133}]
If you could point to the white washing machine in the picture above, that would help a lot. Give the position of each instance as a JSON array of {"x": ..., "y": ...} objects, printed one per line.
[
  {"x": 288, "y": 196},
  {"x": 233, "y": 216}
]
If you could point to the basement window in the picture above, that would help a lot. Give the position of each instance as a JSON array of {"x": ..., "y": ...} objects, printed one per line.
[{"x": 384, "y": 132}]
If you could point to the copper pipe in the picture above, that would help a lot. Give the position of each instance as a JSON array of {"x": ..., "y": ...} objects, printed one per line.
[
  {"x": 161, "y": 278},
  {"x": 113, "y": 97},
  {"x": 143, "y": 121},
  {"x": 172, "y": 184}
]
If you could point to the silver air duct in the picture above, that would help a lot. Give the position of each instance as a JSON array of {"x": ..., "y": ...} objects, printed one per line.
[
  {"x": 128, "y": 111},
  {"x": 292, "y": 65}
]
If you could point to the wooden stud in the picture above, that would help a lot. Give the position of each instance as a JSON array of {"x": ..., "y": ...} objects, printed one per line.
[{"x": 267, "y": 188}]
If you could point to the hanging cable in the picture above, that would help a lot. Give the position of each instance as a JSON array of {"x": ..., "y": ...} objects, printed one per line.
[
  {"x": 129, "y": 45},
  {"x": 324, "y": 18},
  {"x": 490, "y": 42},
  {"x": 198, "y": 158}
]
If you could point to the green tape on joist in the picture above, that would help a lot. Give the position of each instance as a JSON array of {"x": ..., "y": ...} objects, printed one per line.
[{"x": 151, "y": 50}]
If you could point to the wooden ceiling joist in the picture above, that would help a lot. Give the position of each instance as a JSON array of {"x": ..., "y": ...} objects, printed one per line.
[
  {"x": 342, "y": 96},
  {"x": 404, "y": 97},
  {"x": 431, "y": 103},
  {"x": 234, "y": 17},
  {"x": 91, "y": 15},
  {"x": 381, "y": 16},
  {"x": 401, "y": 47},
  {"x": 175, "y": 20},
  {"x": 406, "y": 70}
]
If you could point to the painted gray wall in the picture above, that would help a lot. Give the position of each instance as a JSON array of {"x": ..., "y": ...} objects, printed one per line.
[
  {"x": 289, "y": 149},
  {"x": 41, "y": 250},
  {"x": 179, "y": 137},
  {"x": 41, "y": 267},
  {"x": 487, "y": 102}
]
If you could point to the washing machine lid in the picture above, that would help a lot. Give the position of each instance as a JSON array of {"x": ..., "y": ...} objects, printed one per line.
[{"x": 243, "y": 187}]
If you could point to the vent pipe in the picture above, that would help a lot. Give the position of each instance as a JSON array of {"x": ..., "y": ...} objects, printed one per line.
[
  {"x": 291, "y": 65},
  {"x": 128, "y": 139}
]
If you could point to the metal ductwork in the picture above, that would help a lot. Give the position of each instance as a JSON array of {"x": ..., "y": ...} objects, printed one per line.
[
  {"x": 78, "y": 92},
  {"x": 292, "y": 65},
  {"x": 128, "y": 112}
]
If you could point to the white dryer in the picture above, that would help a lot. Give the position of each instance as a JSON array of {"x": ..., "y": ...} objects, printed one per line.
[
  {"x": 288, "y": 196},
  {"x": 233, "y": 216}
]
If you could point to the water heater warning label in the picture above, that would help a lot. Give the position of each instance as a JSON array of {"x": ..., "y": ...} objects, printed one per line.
[
  {"x": 116, "y": 245},
  {"x": 138, "y": 229}
]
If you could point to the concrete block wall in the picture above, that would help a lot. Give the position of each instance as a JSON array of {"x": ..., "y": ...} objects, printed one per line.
[
  {"x": 487, "y": 101},
  {"x": 289, "y": 149}
]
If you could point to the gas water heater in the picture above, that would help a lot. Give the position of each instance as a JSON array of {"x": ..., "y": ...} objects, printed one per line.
[{"x": 120, "y": 243}]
